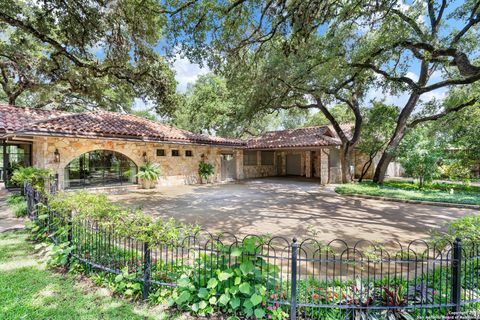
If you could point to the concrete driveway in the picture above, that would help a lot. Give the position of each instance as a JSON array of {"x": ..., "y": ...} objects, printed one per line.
[{"x": 291, "y": 207}]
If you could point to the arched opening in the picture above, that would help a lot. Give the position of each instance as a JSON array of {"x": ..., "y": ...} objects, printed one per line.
[{"x": 100, "y": 168}]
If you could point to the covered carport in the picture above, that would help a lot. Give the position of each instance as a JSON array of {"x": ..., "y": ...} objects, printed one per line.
[{"x": 306, "y": 152}]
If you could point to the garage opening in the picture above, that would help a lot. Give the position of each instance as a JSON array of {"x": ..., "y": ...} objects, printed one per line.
[{"x": 294, "y": 165}]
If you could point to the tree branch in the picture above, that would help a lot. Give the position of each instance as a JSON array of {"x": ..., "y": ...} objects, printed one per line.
[
  {"x": 444, "y": 113},
  {"x": 386, "y": 75}
]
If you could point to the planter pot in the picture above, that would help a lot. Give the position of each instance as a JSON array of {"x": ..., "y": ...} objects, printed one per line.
[
  {"x": 145, "y": 184},
  {"x": 203, "y": 180},
  {"x": 153, "y": 184}
]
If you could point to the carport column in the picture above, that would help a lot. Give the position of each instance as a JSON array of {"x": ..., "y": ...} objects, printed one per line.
[
  {"x": 308, "y": 164},
  {"x": 239, "y": 164},
  {"x": 324, "y": 166}
]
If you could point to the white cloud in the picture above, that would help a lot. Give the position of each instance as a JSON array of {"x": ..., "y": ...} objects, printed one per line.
[
  {"x": 187, "y": 72},
  {"x": 412, "y": 75}
]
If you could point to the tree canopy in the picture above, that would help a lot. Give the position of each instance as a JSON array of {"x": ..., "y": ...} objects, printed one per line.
[
  {"x": 303, "y": 54},
  {"x": 210, "y": 107},
  {"x": 95, "y": 54}
]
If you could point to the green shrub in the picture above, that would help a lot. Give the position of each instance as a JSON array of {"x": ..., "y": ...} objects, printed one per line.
[
  {"x": 241, "y": 289},
  {"x": 37, "y": 177},
  {"x": 205, "y": 169},
  {"x": 149, "y": 171},
  {"x": 126, "y": 222},
  {"x": 466, "y": 228}
]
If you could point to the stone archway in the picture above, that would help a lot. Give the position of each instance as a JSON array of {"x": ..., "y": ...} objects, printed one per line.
[{"x": 100, "y": 167}]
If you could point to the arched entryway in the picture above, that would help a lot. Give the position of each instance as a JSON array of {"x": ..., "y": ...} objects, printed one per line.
[{"x": 100, "y": 168}]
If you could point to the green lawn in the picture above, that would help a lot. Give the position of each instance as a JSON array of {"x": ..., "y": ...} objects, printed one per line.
[
  {"x": 437, "y": 192},
  {"x": 29, "y": 291}
]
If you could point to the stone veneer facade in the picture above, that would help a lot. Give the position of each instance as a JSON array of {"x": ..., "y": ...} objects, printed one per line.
[
  {"x": 182, "y": 170},
  {"x": 175, "y": 170}
]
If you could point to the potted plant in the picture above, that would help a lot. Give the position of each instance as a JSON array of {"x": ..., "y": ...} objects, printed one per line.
[
  {"x": 148, "y": 175},
  {"x": 205, "y": 170}
]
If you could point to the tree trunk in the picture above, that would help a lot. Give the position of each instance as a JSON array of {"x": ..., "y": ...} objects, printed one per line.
[
  {"x": 366, "y": 166},
  {"x": 397, "y": 137}
]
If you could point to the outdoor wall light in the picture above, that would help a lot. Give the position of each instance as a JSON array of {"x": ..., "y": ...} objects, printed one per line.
[
  {"x": 145, "y": 158},
  {"x": 56, "y": 156}
]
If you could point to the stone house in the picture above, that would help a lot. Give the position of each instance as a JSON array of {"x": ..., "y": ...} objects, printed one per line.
[{"x": 97, "y": 149}]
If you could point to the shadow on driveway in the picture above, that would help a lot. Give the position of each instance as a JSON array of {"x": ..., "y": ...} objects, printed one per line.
[{"x": 290, "y": 208}]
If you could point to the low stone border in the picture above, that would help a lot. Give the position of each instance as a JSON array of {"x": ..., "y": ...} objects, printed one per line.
[{"x": 429, "y": 203}]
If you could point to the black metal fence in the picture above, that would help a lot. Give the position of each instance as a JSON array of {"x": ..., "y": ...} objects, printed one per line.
[{"x": 313, "y": 280}]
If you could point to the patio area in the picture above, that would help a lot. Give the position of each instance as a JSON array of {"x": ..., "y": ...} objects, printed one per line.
[{"x": 290, "y": 207}]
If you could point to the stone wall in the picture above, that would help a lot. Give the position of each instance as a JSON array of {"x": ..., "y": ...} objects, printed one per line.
[
  {"x": 259, "y": 170},
  {"x": 360, "y": 159},
  {"x": 175, "y": 170}
]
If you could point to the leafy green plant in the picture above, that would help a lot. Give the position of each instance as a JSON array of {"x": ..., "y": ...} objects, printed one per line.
[
  {"x": 205, "y": 170},
  {"x": 149, "y": 171},
  {"x": 37, "y": 177},
  {"x": 239, "y": 289},
  {"x": 125, "y": 284}
]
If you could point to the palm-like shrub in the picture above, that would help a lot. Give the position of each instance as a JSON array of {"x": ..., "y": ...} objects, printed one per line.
[
  {"x": 205, "y": 170},
  {"x": 148, "y": 173}
]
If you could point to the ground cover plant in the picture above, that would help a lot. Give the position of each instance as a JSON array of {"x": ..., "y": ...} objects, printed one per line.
[{"x": 407, "y": 190}]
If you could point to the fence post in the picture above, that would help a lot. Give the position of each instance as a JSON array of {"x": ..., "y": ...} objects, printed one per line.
[
  {"x": 70, "y": 240},
  {"x": 146, "y": 270},
  {"x": 293, "y": 288},
  {"x": 456, "y": 277}
]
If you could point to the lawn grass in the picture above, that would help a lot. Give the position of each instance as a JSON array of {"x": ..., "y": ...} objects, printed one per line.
[
  {"x": 29, "y": 291},
  {"x": 405, "y": 190}
]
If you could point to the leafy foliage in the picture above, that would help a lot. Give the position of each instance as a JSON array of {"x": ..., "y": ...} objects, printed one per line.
[
  {"x": 67, "y": 55},
  {"x": 239, "y": 289},
  {"x": 205, "y": 169},
  {"x": 420, "y": 155},
  {"x": 149, "y": 171},
  {"x": 128, "y": 223},
  {"x": 37, "y": 177},
  {"x": 379, "y": 123},
  {"x": 450, "y": 193}
]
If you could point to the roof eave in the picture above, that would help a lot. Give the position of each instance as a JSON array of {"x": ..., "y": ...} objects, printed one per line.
[{"x": 53, "y": 133}]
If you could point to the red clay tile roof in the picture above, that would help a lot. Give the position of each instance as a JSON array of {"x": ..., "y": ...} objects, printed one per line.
[
  {"x": 98, "y": 124},
  {"x": 295, "y": 138},
  {"x": 14, "y": 118},
  {"x": 115, "y": 125}
]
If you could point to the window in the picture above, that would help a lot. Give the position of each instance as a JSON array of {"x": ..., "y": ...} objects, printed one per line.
[
  {"x": 160, "y": 152},
  {"x": 188, "y": 153},
  {"x": 267, "y": 158},
  {"x": 100, "y": 168},
  {"x": 16, "y": 156},
  {"x": 250, "y": 158},
  {"x": 175, "y": 153}
]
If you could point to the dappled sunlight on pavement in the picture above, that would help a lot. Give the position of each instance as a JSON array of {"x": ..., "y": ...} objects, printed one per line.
[{"x": 290, "y": 207}]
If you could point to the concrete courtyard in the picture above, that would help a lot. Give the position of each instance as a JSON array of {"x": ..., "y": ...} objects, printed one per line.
[{"x": 291, "y": 207}]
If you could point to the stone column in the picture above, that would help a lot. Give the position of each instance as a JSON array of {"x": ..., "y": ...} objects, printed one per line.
[
  {"x": 239, "y": 164},
  {"x": 308, "y": 164},
  {"x": 324, "y": 166}
]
